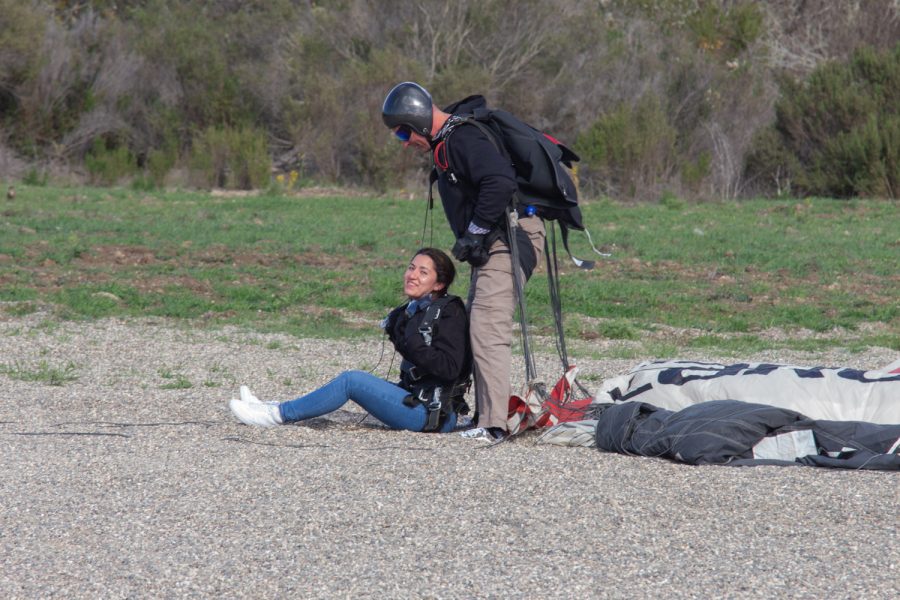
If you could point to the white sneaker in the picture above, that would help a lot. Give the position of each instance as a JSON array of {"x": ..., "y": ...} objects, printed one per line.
[
  {"x": 259, "y": 414},
  {"x": 248, "y": 397},
  {"x": 464, "y": 422},
  {"x": 484, "y": 434}
]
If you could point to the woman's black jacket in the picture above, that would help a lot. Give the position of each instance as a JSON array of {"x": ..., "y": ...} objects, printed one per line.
[{"x": 447, "y": 360}]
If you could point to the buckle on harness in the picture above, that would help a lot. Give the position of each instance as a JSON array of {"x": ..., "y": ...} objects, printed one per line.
[
  {"x": 433, "y": 402},
  {"x": 433, "y": 406},
  {"x": 414, "y": 373},
  {"x": 426, "y": 328}
]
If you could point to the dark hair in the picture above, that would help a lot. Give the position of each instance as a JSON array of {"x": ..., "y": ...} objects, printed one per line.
[{"x": 443, "y": 266}]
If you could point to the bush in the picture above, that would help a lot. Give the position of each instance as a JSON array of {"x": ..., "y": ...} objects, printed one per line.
[
  {"x": 862, "y": 162},
  {"x": 156, "y": 73},
  {"x": 159, "y": 162},
  {"x": 34, "y": 176},
  {"x": 631, "y": 148},
  {"x": 839, "y": 131},
  {"x": 20, "y": 26},
  {"x": 232, "y": 158},
  {"x": 770, "y": 168},
  {"x": 108, "y": 163}
]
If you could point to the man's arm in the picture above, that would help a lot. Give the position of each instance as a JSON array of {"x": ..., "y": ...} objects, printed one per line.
[{"x": 477, "y": 160}]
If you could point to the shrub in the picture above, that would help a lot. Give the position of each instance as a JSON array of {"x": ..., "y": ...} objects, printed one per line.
[
  {"x": 232, "y": 158},
  {"x": 716, "y": 28},
  {"x": 108, "y": 163},
  {"x": 839, "y": 130},
  {"x": 20, "y": 26},
  {"x": 159, "y": 162},
  {"x": 34, "y": 176},
  {"x": 632, "y": 148},
  {"x": 770, "y": 167},
  {"x": 861, "y": 162}
]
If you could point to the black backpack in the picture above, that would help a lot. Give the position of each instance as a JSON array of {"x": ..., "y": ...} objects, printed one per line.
[{"x": 538, "y": 160}]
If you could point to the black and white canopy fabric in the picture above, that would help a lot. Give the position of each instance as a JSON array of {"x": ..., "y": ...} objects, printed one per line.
[
  {"x": 746, "y": 414},
  {"x": 832, "y": 393}
]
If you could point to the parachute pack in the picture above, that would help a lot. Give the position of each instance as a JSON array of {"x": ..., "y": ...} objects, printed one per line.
[{"x": 540, "y": 162}]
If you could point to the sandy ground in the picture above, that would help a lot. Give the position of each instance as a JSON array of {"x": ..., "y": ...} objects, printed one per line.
[{"x": 122, "y": 484}]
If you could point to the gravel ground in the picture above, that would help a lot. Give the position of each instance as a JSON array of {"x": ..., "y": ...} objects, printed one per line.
[{"x": 123, "y": 484}]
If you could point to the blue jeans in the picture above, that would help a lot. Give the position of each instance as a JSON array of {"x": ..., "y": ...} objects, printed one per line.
[{"x": 383, "y": 400}]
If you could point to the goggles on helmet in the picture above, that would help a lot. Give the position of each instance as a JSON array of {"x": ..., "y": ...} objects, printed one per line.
[{"x": 403, "y": 133}]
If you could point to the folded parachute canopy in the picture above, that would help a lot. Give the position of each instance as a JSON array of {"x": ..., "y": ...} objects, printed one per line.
[
  {"x": 835, "y": 394},
  {"x": 746, "y": 413}
]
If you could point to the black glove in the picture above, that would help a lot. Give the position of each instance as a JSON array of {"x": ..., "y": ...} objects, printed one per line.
[{"x": 470, "y": 248}]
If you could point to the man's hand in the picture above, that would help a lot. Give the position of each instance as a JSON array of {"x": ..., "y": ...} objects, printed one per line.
[{"x": 470, "y": 248}]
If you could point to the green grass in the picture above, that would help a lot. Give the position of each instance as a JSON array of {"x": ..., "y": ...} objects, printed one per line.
[
  {"x": 331, "y": 266},
  {"x": 43, "y": 372},
  {"x": 175, "y": 380}
]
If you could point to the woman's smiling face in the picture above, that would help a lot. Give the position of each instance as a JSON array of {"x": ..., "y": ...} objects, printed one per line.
[{"x": 420, "y": 278}]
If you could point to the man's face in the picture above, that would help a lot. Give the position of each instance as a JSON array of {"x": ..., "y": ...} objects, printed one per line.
[{"x": 415, "y": 141}]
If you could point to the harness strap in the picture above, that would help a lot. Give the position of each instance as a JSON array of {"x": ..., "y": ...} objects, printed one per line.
[
  {"x": 518, "y": 285},
  {"x": 441, "y": 402},
  {"x": 432, "y": 314},
  {"x": 440, "y": 155},
  {"x": 555, "y": 301},
  {"x": 426, "y": 330},
  {"x": 433, "y": 406}
]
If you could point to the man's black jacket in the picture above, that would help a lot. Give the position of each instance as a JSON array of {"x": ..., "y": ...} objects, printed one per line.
[{"x": 485, "y": 180}]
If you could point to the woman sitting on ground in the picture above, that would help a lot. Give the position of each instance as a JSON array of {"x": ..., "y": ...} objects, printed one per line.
[{"x": 430, "y": 332}]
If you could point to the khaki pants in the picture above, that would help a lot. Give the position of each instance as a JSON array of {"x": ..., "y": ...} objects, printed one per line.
[{"x": 492, "y": 304}]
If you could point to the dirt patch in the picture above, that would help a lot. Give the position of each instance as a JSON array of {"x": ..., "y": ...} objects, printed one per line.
[
  {"x": 215, "y": 254},
  {"x": 159, "y": 284},
  {"x": 326, "y": 260},
  {"x": 116, "y": 254},
  {"x": 875, "y": 289},
  {"x": 303, "y": 192}
]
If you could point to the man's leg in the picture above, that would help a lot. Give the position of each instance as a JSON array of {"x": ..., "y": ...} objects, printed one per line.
[{"x": 492, "y": 305}]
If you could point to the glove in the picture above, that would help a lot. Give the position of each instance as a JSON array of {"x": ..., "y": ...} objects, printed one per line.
[{"x": 470, "y": 248}]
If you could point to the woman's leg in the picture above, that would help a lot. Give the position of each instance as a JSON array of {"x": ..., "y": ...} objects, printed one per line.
[{"x": 383, "y": 400}]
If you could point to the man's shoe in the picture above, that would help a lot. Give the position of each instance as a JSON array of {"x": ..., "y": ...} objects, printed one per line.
[
  {"x": 485, "y": 434},
  {"x": 259, "y": 414},
  {"x": 464, "y": 422}
]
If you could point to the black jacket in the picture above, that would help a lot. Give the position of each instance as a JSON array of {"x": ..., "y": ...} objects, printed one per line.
[
  {"x": 448, "y": 359},
  {"x": 485, "y": 180}
]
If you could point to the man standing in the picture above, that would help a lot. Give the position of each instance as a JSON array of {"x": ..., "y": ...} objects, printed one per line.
[{"x": 476, "y": 184}]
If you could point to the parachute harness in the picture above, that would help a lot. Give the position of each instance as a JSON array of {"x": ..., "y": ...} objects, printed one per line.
[{"x": 438, "y": 400}]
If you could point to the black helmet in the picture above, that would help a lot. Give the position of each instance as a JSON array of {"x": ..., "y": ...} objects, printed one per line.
[{"x": 409, "y": 104}]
